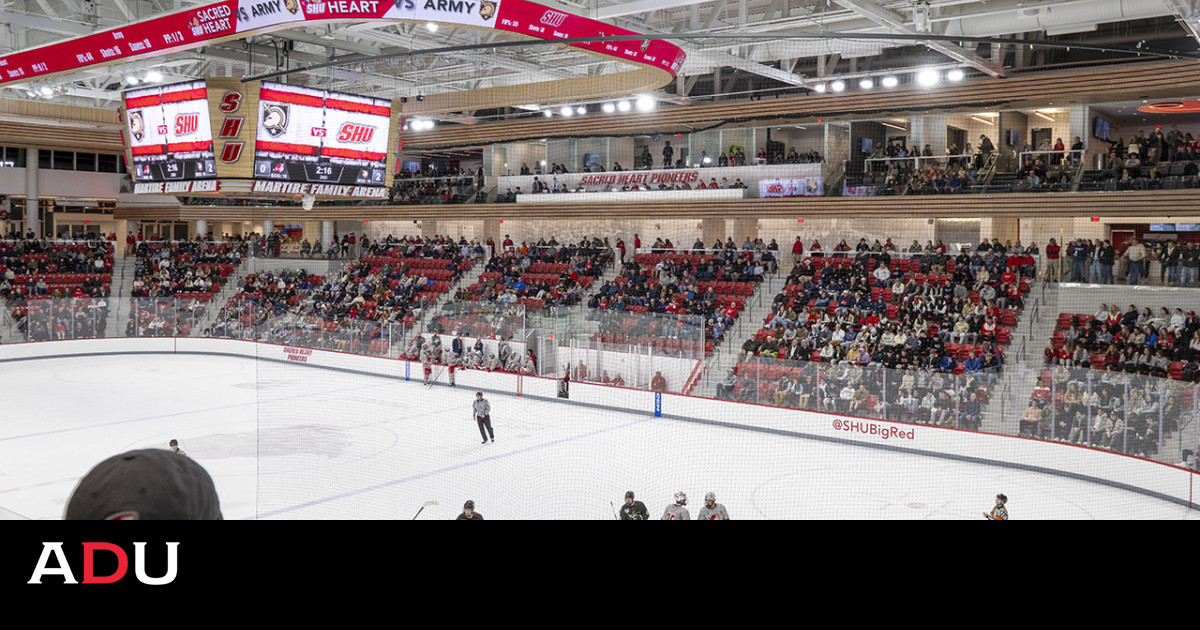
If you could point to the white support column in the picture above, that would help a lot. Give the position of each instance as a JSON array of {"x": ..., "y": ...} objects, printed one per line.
[
  {"x": 1079, "y": 125},
  {"x": 268, "y": 227},
  {"x": 31, "y": 192},
  {"x": 202, "y": 228},
  {"x": 326, "y": 233},
  {"x": 929, "y": 129}
]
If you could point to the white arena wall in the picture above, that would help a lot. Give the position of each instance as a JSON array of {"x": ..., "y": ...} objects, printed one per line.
[{"x": 1115, "y": 470}]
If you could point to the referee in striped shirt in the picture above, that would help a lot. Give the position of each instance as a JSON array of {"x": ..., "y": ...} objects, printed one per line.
[
  {"x": 998, "y": 513},
  {"x": 483, "y": 417}
]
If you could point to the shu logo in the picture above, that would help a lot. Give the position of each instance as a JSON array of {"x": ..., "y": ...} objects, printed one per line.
[
  {"x": 54, "y": 550},
  {"x": 553, "y": 18}
]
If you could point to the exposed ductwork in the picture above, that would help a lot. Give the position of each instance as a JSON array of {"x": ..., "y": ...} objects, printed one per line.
[{"x": 1055, "y": 19}]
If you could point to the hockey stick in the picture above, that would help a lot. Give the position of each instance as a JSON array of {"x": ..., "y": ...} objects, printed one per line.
[
  {"x": 423, "y": 506},
  {"x": 614, "y": 509}
]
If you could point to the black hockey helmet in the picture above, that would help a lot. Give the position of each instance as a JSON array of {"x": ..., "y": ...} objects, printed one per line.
[
  {"x": 629, "y": 495},
  {"x": 174, "y": 443},
  {"x": 1003, "y": 499},
  {"x": 469, "y": 505},
  {"x": 479, "y": 394}
]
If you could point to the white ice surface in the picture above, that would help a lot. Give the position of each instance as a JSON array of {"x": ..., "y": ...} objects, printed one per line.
[{"x": 294, "y": 442}]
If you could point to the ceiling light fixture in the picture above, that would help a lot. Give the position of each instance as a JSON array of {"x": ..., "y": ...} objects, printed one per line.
[
  {"x": 154, "y": 76},
  {"x": 982, "y": 120},
  {"x": 623, "y": 106},
  {"x": 928, "y": 77},
  {"x": 955, "y": 75},
  {"x": 131, "y": 80},
  {"x": 432, "y": 27},
  {"x": 608, "y": 108},
  {"x": 893, "y": 126},
  {"x": 646, "y": 104},
  {"x": 819, "y": 88},
  {"x": 866, "y": 84},
  {"x": 890, "y": 82},
  {"x": 837, "y": 86},
  {"x": 548, "y": 113},
  {"x": 581, "y": 110},
  {"x": 46, "y": 91},
  {"x": 1044, "y": 116},
  {"x": 567, "y": 112}
]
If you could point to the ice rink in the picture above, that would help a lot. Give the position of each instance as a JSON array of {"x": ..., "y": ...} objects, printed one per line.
[{"x": 293, "y": 442}]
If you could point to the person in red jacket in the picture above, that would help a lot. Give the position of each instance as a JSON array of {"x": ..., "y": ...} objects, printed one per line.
[
  {"x": 797, "y": 251},
  {"x": 1053, "y": 270},
  {"x": 658, "y": 383}
]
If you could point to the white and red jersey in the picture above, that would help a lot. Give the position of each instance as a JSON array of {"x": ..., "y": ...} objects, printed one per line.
[{"x": 676, "y": 513}]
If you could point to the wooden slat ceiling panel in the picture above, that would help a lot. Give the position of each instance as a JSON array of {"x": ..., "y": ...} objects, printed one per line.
[
  {"x": 35, "y": 136},
  {"x": 1144, "y": 203},
  {"x": 1146, "y": 80}
]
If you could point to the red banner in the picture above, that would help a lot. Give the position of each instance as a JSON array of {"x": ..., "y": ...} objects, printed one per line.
[{"x": 194, "y": 27}]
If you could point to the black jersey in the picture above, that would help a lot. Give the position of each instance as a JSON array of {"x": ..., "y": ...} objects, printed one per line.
[
  {"x": 635, "y": 512},
  {"x": 473, "y": 517}
]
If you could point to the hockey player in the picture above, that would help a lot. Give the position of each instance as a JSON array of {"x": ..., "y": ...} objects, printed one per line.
[
  {"x": 634, "y": 510},
  {"x": 451, "y": 359},
  {"x": 493, "y": 364},
  {"x": 427, "y": 365},
  {"x": 998, "y": 513},
  {"x": 514, "y": 363},
  {"x": 412, "y": 351},
  {"x": 677, "y": 512},
  {"x": 528, "y": 367},
  {"x": 174, "y": 444},
  {"x": 483, "y": 417},
  {"x": 712, "y": 511},
  {"x": 469, "y": 513}
]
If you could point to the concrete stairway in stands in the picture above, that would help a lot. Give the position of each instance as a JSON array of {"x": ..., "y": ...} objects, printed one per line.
[{"x": 119, "y": 298}]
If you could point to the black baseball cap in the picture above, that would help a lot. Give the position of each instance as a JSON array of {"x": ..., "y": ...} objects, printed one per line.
[{"x": 149, "y": 484}]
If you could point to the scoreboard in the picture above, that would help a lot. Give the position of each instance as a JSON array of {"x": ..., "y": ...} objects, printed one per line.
[
  {"x": 321, "y": 137},
  {"x": 169, "y": 133},
  {"x": 271, "y": 138}
]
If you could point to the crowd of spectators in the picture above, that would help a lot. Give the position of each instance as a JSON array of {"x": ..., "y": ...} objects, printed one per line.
[
  {"x": 547, "y": 273},
  {"x": 33, "y": 268},
  {"x": 1114, "y": 378}
]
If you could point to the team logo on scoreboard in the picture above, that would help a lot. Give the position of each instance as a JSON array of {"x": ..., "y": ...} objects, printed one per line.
[
  {"x": 186, "y": 124},
  {"x": 292, "y": 6},
  {"x": 355, "y": 133},
  {"x": 487, "y": 10},
  {"x": 645, "y": 44},
  {"x": 137, "y": 125},
  {"x": 275, "y": 119},
  {"x": 553, "y": 18}
]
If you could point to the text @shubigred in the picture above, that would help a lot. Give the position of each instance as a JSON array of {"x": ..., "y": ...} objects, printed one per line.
[{"x": 870, "y": 428}]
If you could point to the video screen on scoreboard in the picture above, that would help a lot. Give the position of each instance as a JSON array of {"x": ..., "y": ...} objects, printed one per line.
[
  {"x": 308, "y": 135},
  {"x": 169, "y": 135}
]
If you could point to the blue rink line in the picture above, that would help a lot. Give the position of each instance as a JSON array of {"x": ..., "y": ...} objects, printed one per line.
[{"x": 651, "y": 415}]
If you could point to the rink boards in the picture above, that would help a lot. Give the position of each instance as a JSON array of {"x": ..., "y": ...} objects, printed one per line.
[{"x": 1111, "y": 469}]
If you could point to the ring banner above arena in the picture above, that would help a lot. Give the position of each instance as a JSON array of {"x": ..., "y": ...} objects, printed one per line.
[{"x": 236, "y": 19}]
